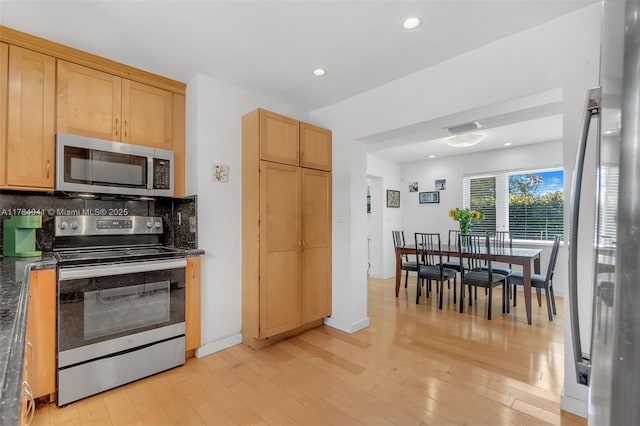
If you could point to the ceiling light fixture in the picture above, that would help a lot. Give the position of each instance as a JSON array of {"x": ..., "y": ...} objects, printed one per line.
[
  {"x": 508, "y": 144},
  {"x": 468, "y": 139},
  {"x": 319, "y": 72},
  {"x": 432, "y": 156},
  {"x": 411, "y": 23}
]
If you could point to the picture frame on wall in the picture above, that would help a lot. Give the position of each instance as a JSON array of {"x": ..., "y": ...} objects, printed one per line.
[
  {"x": 429, "y": 197},
  {"x": 393, "y": 198},
  {"x": 441, "y": 184}
]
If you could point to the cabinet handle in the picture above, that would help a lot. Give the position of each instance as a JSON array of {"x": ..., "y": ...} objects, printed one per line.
[
  {"x": 125, "y": 128},
  {"x": 48, "y": 168},
  {"x": 193, "y": 270},
  {"x": 117, "y": 127}
]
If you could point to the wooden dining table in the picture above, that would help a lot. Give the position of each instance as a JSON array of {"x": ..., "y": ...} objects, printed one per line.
[{"x": 513, "y": 256}]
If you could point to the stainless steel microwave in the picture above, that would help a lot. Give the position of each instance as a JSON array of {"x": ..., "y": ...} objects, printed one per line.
[{"x": 88, "y": 165}]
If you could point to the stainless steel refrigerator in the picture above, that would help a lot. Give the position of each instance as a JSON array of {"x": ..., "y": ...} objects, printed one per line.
[{"x": 612, "y": 367}]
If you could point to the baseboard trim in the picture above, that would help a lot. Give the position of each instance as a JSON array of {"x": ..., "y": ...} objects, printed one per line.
[
  {"x": 218, "y": 345},
  {"x": 347, "y": 328},
  {"x": 573, "y": 405}
]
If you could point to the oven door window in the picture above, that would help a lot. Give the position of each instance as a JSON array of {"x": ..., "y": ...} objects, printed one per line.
[
  {"x": 97, "y": 309},
  {"x": 95, "y": 167}
]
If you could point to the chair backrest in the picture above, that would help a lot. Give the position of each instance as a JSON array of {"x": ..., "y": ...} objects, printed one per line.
[
  {"x": 398, "y": 241},
  {"x": 428, "y": 249},
  {"x": 500, "y": 240},
  {"x": 477, "y": 250},
  {"x": 452, "y": 241},
  {"x": 553, "y": 258}
]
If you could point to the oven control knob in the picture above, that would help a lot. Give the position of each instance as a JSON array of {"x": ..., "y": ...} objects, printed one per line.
[
  {"x": 63, "y": 225},
  {"x": 74, "y": 225},
  {"x": 149, "y": 224}
]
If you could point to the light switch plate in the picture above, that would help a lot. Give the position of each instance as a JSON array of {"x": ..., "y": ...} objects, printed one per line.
[{"x": 220, "y": 173}]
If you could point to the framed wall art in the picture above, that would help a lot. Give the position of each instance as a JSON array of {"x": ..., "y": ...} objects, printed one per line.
[
  {"x": 393, "y": 198},
  {"x": 441, "y": 184},
  {"x": 429, "y": 197}
]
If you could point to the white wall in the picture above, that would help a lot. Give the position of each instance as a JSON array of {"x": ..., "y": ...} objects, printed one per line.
[
  {"x": 214, "y": 136},
  {"x": 390, "y": 174},
  {"x": 375, "y": 226},
  {"x": 561, "y": 53}
]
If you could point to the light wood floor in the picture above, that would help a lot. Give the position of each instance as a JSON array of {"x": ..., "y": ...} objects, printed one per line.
[{"x": 413, "y": 365}]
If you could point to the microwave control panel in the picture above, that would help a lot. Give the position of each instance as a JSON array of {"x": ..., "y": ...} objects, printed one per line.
[{"x": 161, "y": 174}]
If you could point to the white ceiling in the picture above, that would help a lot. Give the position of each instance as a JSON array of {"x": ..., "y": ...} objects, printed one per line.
[{"x": 271, "y": 47}]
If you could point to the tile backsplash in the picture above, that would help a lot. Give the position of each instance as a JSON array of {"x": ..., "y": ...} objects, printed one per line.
[{"x": 177, "y": 213}]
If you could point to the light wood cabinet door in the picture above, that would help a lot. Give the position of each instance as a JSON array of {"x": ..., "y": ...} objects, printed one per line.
[
  {"x": 192, "y": 304},
  {"x": 4, "y": 77},
  {"x": 30, "y": 122},
  {"x": 89, "y": 102},
  {"x": 316, "y": 245},
  {"x": 279, "y": 138},
  {"x": 41, "y": 332},
  {"x": 279, "y": 248},
  {"x": 146, "y": 115},
  {"x": 315, "y": 147}
]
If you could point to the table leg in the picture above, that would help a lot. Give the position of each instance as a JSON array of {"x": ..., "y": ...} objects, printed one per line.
[
  {"x": 526, "y": 277},
  {"x": 398, "y": 271}
]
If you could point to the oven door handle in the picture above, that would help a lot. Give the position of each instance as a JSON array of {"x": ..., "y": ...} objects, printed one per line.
[{"x": 119, "y": 269}]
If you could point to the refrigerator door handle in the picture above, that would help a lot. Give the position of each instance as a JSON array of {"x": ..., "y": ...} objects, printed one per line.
[{"x": 592, "y": 109}]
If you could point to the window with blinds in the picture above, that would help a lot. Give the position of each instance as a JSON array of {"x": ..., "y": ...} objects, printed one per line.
[{"x": 530, "y": 204}]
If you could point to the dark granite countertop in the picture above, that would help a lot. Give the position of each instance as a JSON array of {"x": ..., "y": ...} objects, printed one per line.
[
  {"x": 193, "y": 252},
  {"x": 14, "y": 291}
]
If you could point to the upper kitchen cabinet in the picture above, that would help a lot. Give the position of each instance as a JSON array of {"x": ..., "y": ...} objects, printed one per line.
[
  {"x": 30, "y": 142},
  {"x": 279, "y": 138},
  {"x": 89, "y": 102},
  {"x": 288, "y": 141},
  {"x": 100, "y": 105},
  {"x": 315, "y": 147}
]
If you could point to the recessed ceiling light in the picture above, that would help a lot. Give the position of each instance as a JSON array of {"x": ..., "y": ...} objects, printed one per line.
[
  {"x": 467, "y": 139},
  {"x": 411, "y": 23},
  {"x": 319, "y": 72},
  {"x": 432, "y": 156},
  {"x": 508, "y": 144}
]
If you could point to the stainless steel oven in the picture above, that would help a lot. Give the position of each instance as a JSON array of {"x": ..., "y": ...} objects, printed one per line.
[{"x": 120, "y": 308}]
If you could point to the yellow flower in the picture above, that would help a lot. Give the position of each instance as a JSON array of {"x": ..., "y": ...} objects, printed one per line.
[
  {"x": 475, "y": 215},
  {"x": 452, "y": 213}
]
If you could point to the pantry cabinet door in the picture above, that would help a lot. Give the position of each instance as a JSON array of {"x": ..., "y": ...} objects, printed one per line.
[
  {"x": 316, "y": 245},
  {"x": 279, "y": 248}
]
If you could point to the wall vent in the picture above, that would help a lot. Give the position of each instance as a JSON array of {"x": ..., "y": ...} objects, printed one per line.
[{"x": 465, "y": 127}]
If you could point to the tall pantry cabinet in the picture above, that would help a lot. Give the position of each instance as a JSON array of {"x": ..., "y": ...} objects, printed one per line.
[{"x": 286, "y": 226}]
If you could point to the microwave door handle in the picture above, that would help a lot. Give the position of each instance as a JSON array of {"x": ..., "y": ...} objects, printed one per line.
[
  {"x": 592, "y": 109},
  {"x": 150, "y": 174}
]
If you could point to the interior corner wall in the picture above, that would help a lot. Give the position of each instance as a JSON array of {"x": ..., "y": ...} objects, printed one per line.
[
  {"x": 214, "y": 136},
  {"x": 374, "y": 227},
  {"x": 392, "y": 179}
]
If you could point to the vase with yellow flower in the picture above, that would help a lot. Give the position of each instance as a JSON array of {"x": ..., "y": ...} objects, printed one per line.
[{"x": 465, "y": 217}]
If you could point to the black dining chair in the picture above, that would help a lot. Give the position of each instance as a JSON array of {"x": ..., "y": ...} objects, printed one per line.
[
  {"x": 452, "y": 242},
  {"x": 539, "y": 281},
  {"x": 408, "y": 263},
  {"x": 475, "y": 249},
  {"x": 500, "y": 242},
  {"x": 430, "y": 266}
]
